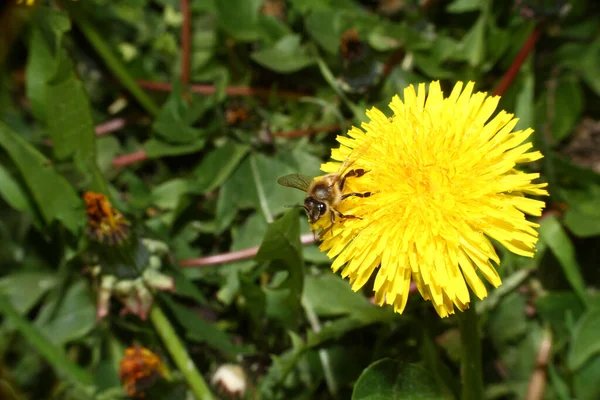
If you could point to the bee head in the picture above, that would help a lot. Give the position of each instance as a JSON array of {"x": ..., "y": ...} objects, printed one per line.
[{"x": 314, "y": 209}]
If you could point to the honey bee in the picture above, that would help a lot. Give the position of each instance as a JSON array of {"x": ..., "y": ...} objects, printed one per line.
[{"x": 324, "y": 194}]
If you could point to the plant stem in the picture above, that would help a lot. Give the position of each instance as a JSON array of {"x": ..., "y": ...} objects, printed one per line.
[
  {"x": 51, "y": 353},
  {"x": 359, "y": 114},
  {"x": 112, "y": 61},
  {"x": 470, "y": 342},
  {"x": 179, "y": 354}
]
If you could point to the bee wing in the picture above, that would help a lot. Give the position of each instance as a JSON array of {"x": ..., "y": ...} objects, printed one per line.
[
  {"x": 297, "y": 181},
  {"x": 351, "y": 159}
]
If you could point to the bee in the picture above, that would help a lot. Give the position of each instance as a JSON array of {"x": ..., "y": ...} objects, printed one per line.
[{"x": 324, "y": 194}]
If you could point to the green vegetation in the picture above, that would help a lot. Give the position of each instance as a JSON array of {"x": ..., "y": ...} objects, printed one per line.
[{"x": 140, "y": 146}]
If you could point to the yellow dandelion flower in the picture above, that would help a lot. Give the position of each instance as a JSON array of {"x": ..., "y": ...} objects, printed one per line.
[{"x": 443, "y": 181}]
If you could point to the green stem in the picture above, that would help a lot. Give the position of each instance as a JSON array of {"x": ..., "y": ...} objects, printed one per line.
[
  {"x": 112, "y": 61},
  {"x": 470, "y": 342},
  {"x": 359, "y": 114},
  {"x": 51, "y": 353},
  {"x": 179, "y": 354}
]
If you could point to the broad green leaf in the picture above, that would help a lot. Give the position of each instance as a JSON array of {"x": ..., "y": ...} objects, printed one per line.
[
  {"x": 395, "y": 380},
  {"x": 217, "y": 166},
  {"x": 25, "y": 289},
  {"x": 240, "y": 18},
  {"x": 472, "y": 46},
  {"x": 582, "y": 225},
  {"x": 281, "y": 246},
  {"x": 286, "y": 56},
  {"x": 329, "y": 295},
  {"x": 75, "y": 317},
  {"x": 441, "y": 372},
  {"x": 156, "y": 148},
  {"x": 585, "y": 343},
  {"x": 508, "y": 322},
  {"x": 55, "y": 197},
  {"x": 198, "y": 329},
  {"x": 585, "y": 382},
  {"x": 325, "y": 28},
  {"x": 174, "y": 122},
  {"x": 462, "y": 6},
  {"x": 583, "y": 214},
  {"x": 524, "y": 106},
  {"x": 14, "y": 194},
  {"x": 113, "y": 62},
  {"x": 53, "y": 355},
  {"x": 169, "y": 194},
  {"x": 557, "y": 309},
  {"x": 559, "y": 243},
  {"x": 44, "y": 42},
  {"x": 362, "y": 317},
  {"x": 281, "y": 366},
  {"x": 567, "y": 104},
  {"x": 254, "y": 185}
]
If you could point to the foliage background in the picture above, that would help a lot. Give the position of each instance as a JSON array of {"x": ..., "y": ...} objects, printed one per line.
[{"x": 195, "y": 166}]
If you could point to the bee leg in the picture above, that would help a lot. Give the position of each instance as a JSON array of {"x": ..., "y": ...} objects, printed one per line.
[
  {"x": 329, "y": 228},
  {"x": 346, "y": 216},
  {"x": 365, "y": 194},
  {"x": 357, "y": 173}
]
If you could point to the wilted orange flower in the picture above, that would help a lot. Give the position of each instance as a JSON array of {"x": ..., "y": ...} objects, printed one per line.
[
  {"x": 139, "y": 369},
  {"x": 105, "y": 224}
]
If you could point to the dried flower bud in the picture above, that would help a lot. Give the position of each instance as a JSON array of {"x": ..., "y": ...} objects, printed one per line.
[
  {"x": 139, "y": 369},
  {"x": 105, "y": 224}
]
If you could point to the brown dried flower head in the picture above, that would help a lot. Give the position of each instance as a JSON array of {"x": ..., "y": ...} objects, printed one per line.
[
  {"x": 139, "y": 369},
  {"x": 105, "y": 224}
]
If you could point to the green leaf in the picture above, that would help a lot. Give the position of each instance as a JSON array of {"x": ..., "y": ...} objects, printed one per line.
[
  {"x": 585, "y": 343},
  {"x": 174, "y": 122},
  {"x": 71, "y": 126},
  {"x": 508, "y": 322},
  {"x": 254, "y": 185},
  {"x": 156, "y": 148},
  {"x": 169, "y": 194},
  {"x": 583, "y": 215},
  {"x": 44, "y": 42},
  {"x": 585, "y": 382},
  {"x": 55, "y": 197},
  {"x": 581, "y": 224},
  {"x": 325, "y": 28},
  {"x": 395, "y": 380},
  {"x": 239, "y": 18},
  {"x": 524, "y": 106},
  {"x": 567, "y": 106},
  {"x": 559, "y": 243},
  {"x": 558, "y": 309},
  {"x": 14, "y": 193},
  {"x": 286, "y": 56},
  {"x": 198, "y": 329},
  {"x": 462, "y": 6},
  {"x": 113, "y": 62},
  {"x": 25, "y": 289},
  {"x": 329, "y": 295},
  {"x": 217, "y": 166},
  {"x": 53, "y": 355},
  {"x": 281, "y": 246},
  {"x": 472, "y": 46},
  {"x": 75, "y": 318},
  {"x": 359, "y": 319}
]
